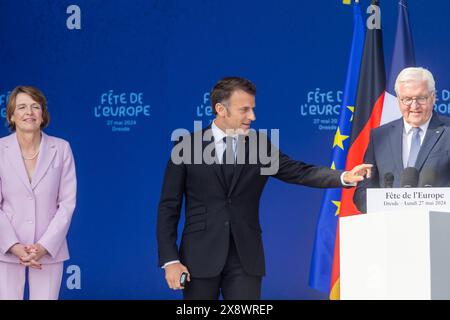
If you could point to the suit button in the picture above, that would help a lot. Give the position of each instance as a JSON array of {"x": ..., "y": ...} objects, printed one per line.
[
  {"x": 30, "y": 198},
  {"x": 30, "y": 221},
  {"x": 229, "y": 200},
  {"x": 227, "y": 223}
]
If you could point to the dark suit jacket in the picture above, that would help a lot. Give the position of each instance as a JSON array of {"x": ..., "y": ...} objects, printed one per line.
[
  {"x": 212, "y": 211},
  {"x": 385, "y": 153}
]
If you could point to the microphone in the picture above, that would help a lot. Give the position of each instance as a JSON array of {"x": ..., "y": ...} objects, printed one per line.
[
  {"x": 388, "y": 180},
  {"x": 409, "y": 178},
  {"x": 428, "y": 177}
]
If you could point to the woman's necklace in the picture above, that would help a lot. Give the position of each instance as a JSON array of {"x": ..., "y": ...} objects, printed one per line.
[{"x": 31, "y": 158}]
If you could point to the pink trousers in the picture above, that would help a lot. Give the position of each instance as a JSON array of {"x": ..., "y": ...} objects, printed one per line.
[{"x": 44, "y": 284}]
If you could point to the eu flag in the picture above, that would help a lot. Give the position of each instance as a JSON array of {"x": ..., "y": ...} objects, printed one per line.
[{"x": 322, "y": 258}]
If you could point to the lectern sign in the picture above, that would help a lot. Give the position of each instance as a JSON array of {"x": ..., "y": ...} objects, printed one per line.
[{"x": 404, "y": 199}]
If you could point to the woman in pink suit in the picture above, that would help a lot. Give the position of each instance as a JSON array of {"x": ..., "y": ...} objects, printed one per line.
[{"x": 37, "y": 199}]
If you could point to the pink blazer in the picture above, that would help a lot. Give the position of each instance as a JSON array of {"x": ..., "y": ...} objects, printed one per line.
[{"x": 39, "y": 211}]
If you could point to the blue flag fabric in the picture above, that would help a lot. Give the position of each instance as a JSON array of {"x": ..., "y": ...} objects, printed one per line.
[
  {"x": 403, "y": 54},
  {"x": 402, "y": 57},
  {"x": 322, "y": 257}
]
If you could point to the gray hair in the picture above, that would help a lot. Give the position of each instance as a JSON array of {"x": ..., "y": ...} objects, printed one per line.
[{"x": 418, "y": 74}]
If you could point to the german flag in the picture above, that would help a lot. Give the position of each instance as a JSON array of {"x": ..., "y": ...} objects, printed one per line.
[
  {"x": 323, "y": 251},
  {"x": 367, "y": 115}
]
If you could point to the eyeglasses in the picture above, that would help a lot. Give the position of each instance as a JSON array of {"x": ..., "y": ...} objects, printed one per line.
[{"x": 419, "y": 100}]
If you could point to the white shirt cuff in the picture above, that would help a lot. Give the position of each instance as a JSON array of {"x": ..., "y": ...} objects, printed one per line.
[
  {"x": 169, "y": 263},
  {"x": 346, "y": 184}
]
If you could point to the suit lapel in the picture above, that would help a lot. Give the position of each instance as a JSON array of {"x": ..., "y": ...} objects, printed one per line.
[
  {"x": 215, "y": 166},
  {"x": 434, "y": 132},
  {"x": 45, "y": 158},
  {"x": 14, "y": 155},
  {"x": 242, "y": 146},
  {"x": 219, "y": 173},
  {"x": 396, "y": 142}
]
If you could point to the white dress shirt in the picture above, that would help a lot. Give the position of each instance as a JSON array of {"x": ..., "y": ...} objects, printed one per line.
[
  {"x": 407, "y": 138},
  {"x": 220, "y": 145}
]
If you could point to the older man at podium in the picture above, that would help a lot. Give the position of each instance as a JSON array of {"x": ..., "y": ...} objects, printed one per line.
[{"x": 417, "y": 142}]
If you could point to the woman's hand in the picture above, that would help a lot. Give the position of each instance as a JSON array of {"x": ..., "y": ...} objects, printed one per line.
[
  {"x": 29, "y": 255},
  {"x": 26, "y": 255},
  {"x": 19, "y": 250},
  {"x": 35, "y": 253}
]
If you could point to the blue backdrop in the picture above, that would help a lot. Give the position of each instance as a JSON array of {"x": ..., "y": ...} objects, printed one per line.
[{"x": 136, "y": 70}]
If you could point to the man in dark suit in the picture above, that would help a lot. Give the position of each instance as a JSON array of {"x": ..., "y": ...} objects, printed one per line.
[
  {"x": 420, "y": 139},
  {"x": 221, "y": 179}
]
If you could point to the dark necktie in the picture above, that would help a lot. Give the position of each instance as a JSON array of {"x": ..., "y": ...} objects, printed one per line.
[{"x": 228, "y": 160}]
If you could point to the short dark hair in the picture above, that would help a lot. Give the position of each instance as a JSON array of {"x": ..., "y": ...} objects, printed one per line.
[
  {"x": 36, "y": 95},
  {"x": 224, "y": 88}
]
